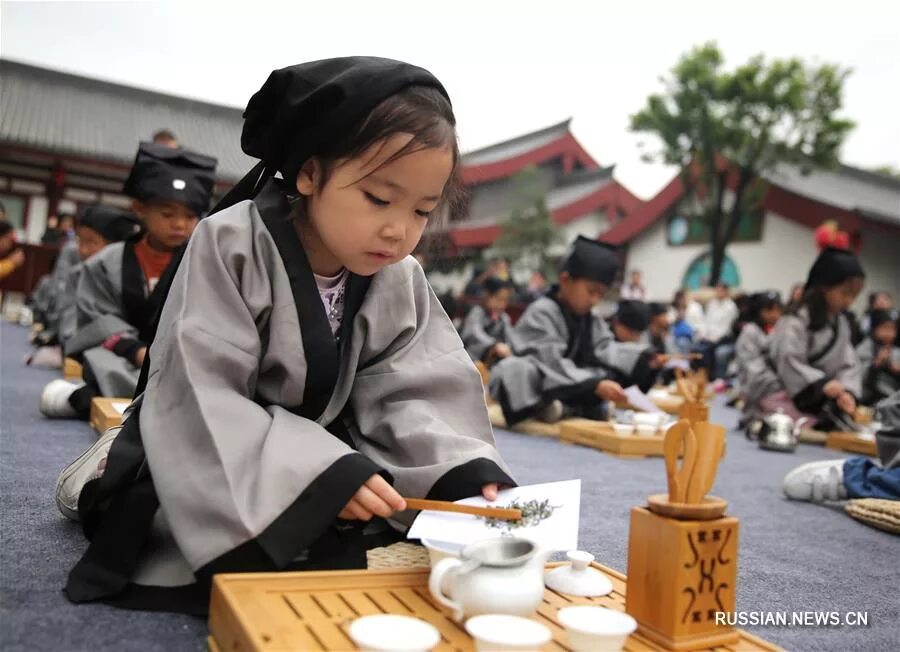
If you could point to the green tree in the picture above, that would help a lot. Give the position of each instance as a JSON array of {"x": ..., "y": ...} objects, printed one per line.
[
  {"x": 726, "y": 129},
  {"x": 529, "y": 232}
]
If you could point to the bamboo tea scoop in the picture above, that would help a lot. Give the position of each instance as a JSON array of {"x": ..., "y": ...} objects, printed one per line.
[
  {"x": 710, "y": 441},
  {"x": 677, "y": 435},
  {"x": 502, "y": 513}
]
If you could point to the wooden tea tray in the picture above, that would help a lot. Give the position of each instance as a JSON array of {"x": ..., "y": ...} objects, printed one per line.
[
  {"x": 602, "y": 436},
  {"x": 312, "y": 611},
  {"x": 851, "y": 443},
  {"x": 104, "y": 414},
  {"x": 71, "y": 369}
]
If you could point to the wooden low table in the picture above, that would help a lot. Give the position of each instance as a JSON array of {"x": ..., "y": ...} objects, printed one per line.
[
  {"x": 852, "y": 443},
  {"x": 107, "y": 413},
  {"x": 602, "y": 436},
  {"x": 72, "y": 370},
  {"x": 313, "y": 610}
]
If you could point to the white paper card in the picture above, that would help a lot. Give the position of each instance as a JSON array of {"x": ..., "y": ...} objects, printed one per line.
[
  {"x": 638, "y": 400},
  {"x": 678, "y": 363},
  {"x": 557, "y": 532},
  {"x": 120, "y": 407}
]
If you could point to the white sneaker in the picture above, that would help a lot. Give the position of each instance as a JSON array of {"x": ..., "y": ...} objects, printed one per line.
[
  {"x": 84, "y": 469},
  {"x": 55, "y": 399},
  {"x": 551, "y": 413},
  {"x": 816, "y": 482}
]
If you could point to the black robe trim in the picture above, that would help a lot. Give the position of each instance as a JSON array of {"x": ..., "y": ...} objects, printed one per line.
[
  {"x": 811, "y": 399},
  {"x": 141, "y": 306},
  {"x": 467, "y": 480}
]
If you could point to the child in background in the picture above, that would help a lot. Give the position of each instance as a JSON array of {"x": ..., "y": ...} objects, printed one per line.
[
  {"x": 879, "y": 357},
  {"x": 115, "y": 299},
  {"x": 10, "y": 260},
  {"x": 566, "y": 356},
  {"x": 812, "y": 348},
  {"x": 55, "y": 307},
  {"x": 757, "y": 377},
  {"x": 487, "y": 332},
  {"x": 304, "y": 377}
]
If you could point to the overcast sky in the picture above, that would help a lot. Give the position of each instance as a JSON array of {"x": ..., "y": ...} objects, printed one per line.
[{"x": 509, "y": 69}]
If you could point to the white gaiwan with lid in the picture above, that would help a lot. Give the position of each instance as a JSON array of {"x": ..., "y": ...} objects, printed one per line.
[{"x": 578, "y": 578}]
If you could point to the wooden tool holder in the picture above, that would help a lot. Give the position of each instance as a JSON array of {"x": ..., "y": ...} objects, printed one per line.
[
  {"x": 72, "y": 370},
  {"x": 693, "y": 411},
  {"x": 680, "y": 574},
  {"x": 104, "y": 414}
]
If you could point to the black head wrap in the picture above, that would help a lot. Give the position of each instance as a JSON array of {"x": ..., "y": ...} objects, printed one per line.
[
  {"x": 303, "y": 108},
  {"x": 634, "y": 315},
  {"x": 162, "y": 174},
  {"x": 879, "y": 317},
  {"x": 592, "y": 260},
  {"x": 833, "y": 267},
  {"x": 114, "y": 224}
]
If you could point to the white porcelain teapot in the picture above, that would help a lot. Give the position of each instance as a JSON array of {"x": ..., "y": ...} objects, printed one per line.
[{"x": 496, "y": 576}]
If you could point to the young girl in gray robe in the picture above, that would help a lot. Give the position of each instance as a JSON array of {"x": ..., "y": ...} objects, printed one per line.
[
  {"x": 812, "y": 347},
  {"x": 303, "y": 378},
  {"x": 757, "y": 377},
  {"x": 880, "y": 358},
  {"x": 487, "y": 332}
]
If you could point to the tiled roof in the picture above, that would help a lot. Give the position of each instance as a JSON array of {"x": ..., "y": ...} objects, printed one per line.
[
  {"x": 516, "y": 146},
  {"x": 61, "y": 112}
]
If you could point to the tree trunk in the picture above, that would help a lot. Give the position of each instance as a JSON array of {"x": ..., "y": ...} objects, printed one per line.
[
  {"x": 715, "y": 228},
  {"x": 734, "y": 219}
]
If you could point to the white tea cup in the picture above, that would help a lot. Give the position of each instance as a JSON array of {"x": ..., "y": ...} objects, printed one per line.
[
  {"x": 591, "y": 628},
  {"x": 496, "y": 632}
]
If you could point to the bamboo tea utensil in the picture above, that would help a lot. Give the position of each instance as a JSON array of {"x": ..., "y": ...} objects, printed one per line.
[
  {"x": 710, "y": 440},
  {"x": 501, "y": 513},
  {"x": 684, "y": 386},
  {"x": 679, "y": 478}
]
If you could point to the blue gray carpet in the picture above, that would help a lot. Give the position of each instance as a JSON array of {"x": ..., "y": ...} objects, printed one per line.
[{"x": 793, "y": 556}]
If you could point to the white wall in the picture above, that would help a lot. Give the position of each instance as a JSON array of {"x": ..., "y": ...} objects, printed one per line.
[
  {"x": 779, "y": 260},
  {"x": 880, "y": 258},
  {"x": 37, "y": 217},
  {"x": 590, "y": 226}
]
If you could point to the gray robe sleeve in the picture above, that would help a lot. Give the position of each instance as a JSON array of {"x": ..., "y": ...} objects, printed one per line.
[
  {"x": 98, "y": 301},
  {"x": 755, "y": 370},
  {"x": 475, "y": 338},
  {"x": 417, "y": 398},
  {"x": 850, "y": 372},
  {"x": 231, "y": 474},
  {"x": 790, "y": 352}
]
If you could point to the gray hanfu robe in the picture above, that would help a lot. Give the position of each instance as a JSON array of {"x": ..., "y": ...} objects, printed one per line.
[
  {"x": 560, "y": 356},
  {"x": 480, "y": 333},
  {"x": 878, "y": 383},
  {"x": 246, "y": 477},
  {"x": 805, "y": 361},
  {"x": 53, "y": 295},
  {"x": 756, "y": 370},
  {"x": 112, "y": 298}
]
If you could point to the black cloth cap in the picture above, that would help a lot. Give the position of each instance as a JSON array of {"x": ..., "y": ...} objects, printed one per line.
[
  {"x": 302, "y": 108},
  {"x": 114, "y": 224},
  {"x": 592, "y": 260},
  {"x": 634, "y": 315},
  {"x": 879, "y": 317},
  {"x": 657, "y": 308},
  {"x": 833, "y": 267},
  {"x": 161, "y": 174},
  {"x": 494, "y": 285}
]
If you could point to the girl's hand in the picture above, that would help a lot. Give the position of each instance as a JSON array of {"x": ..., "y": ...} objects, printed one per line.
[
  {"x": 847, "y": 403},
  {"x": 489, "y": 491},
  {"x": 833, "y": 389},
  {"x": 375, "y": 498},
  {"x": 609, "y": 390},
  {"x": 502, "y": 350}
]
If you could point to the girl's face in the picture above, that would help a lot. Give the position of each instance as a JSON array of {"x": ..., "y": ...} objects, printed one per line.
[
  {"x": 840, "y": 297},
  {"x": 367, "y": 215},
  {"x": 169, "y": 224},
  {"x": 886, "y": 333},
  {"x": 498, "y": 301},
  {"x": 770, "y": 315},
  {"x": 89, "y": 242}
]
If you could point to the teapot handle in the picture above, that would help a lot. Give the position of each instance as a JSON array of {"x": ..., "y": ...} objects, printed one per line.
[{"x": 449, "y": 567}]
